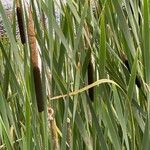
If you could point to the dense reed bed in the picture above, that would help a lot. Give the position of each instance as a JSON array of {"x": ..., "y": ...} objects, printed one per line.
[{"x": 77, "y": 76}]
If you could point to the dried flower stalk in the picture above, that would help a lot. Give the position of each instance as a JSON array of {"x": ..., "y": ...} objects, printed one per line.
[
  {"x": 35, "y": 63},
  {"x": 53, "y": 129},
  {"x": 69, "y": 134}
]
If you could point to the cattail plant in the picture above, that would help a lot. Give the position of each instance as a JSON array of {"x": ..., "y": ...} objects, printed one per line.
[
  {"x": 35, "y": 63},
  {"x": 69, "y": 135},
  {"x": 138, "y": 81},
  {"x": 53, "y": 128},
  {"x": 90, "y": 69},
  {"x": 20, "y": 21},
  {"x": 91, "y": 78}
]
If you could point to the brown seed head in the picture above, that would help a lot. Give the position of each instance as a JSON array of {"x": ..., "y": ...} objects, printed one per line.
[
  {"x": 20, "y": 22},
  {"x": 91, "y": 80},
  {"x": 34, "y": 62}
]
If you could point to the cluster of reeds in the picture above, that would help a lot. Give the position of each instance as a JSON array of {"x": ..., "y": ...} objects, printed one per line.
[
  {"x": 34, "y": 52},
  {"x": 96, "y": 50},
  {"x": 54, "y": 130}
]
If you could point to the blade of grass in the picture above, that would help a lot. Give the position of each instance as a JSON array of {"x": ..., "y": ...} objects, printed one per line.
[{"x": 124, "y": 27}]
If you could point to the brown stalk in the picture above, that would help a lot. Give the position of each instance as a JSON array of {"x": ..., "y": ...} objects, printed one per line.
[
  {"x": 35, "y": 63},
  {"x": 53, "y": 128},
  {"x": 20, "y": 22},
  {"x": 69, "y": 135},
  {"x": 43, "y": 20}
]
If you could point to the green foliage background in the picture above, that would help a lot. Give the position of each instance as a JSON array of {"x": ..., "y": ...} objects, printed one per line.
[{"x": 112, "y": 35}]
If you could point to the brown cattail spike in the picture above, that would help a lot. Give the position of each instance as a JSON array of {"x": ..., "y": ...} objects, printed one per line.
[
  {"x": 38, "y": 88},
  {"x": 90, "y": 79},
  {"x": 35, "y": 63},
  {"x": 20, "y": 22},
  {"x": 137, "y": 80}
]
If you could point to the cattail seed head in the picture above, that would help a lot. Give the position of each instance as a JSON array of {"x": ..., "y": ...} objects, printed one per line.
[
  {"x": 20, "y": 22},
  {"x": 137, "y": 79},
  {"x": 91, "y": 79},
  {"x": 35, "y": 63},
  {"x": 126, "y": 62},
  {"x": 38, "y": 88}
]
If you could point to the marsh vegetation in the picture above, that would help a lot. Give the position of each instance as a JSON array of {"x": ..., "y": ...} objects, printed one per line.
[{"x": 76, "y": 75}]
